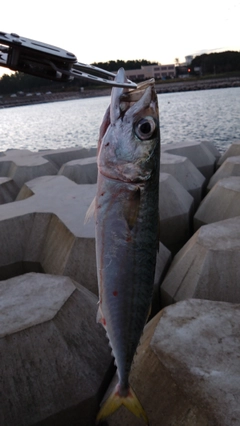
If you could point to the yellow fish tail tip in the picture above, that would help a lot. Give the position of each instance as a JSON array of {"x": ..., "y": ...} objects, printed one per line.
[{"x": 114, "y": 402}]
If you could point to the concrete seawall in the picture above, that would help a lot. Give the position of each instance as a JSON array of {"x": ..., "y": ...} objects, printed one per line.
[{"x": 56, "y": 365}]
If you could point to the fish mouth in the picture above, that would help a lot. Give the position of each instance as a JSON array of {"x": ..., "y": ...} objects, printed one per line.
[{"x": 123, "y": 98}]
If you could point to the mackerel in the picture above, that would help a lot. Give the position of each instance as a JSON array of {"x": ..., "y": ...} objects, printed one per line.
[{"x": 127, "y": 225}]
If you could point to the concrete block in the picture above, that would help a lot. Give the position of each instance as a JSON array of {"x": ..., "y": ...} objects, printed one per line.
[
  {"x": 61, "y": 156},
  {"x": 197, "y": 152},
  {"x": 59, "y": 195},
  {"x": 165, "y": 402},
  {"x": 31, "y": 299},
  {"x": 176, "y": 211},
  {"x": 222, "y": 202},
  {"x": 8, "y": 190},
  {"x": 48, "y": 229},
  {"x": 198, "y": 342},
  {"x": 24, "y": 165},
  {"x": 163, "y": 262},
  {"x": 212, "y": 148},
  {"x": 54, "y": 356},
  {"x": 183, "y": 170},
  {"x": 82, "y": 171},
  {"x": 232, "y": 151},
  {"x": 230, "y": 167},
  {"x": 207, "y": 267}
]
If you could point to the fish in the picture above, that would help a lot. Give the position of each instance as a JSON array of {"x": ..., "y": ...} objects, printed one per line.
[{"x": 127, "y": 228}]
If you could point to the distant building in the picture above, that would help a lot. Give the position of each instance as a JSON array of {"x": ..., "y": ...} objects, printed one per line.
[
  {"x": 188, "y": 59},
  {"x": 183, "y": 71},
  {"x": 152, "y": 71}
]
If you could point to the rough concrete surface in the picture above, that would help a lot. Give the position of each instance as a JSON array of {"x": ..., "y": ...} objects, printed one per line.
[
  {"x": 232, "y": 151},
  {"x": 183, "y": 170},
  {"x": 46, "y": 226},
  {"x": 230, "y": 167},
  {"x": 57, "y": 364},
  {"x": 31, "y": 299},
  {"x": 212, "y": 148},
  {"x": 176, "y": 207},
  {"x": 8, "y": 190},
  {"x": 24, "y": 165},
  {"x": 164, "y": 401},
  {"x": 222, "y": 202},
  {"x": 163, "y": 262},
  {"x": 207, "y": 267},
  {"x": 197, "y": 152},
  {"x": 82, "y": 171},
  {"x": 198, "y": 342}
]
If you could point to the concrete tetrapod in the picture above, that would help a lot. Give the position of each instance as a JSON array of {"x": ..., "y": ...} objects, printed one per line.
[
  {"x": 176, "y": 207},
  {"x": 8, "y": 190},
  {"x": 164, "y": 259},
  {"x": 165, "y": 401},
  {"x": 197, "y": 152},
  {"x": 230, "y": 167},
  {"x": 183, "y": 170},
  {"x": 61, "y": 156},
  {"x": 198, "y": 342},
  {"x": 222, "y": 202},
  {"x": 54, "y": 357},
  {"x": 24, "y": 165},
  {"x": 81, "y": 171},
  {"x": 207, "y": 267},
  {"x": 45, "y": 230},
  {"x": 232, "y": 151},
  {"x": 186, "y": 370},
  {"x": 213, "y": 149}
]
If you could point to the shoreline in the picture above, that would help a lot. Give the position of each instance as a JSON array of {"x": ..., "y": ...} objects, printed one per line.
[{"x": 161, "y": 88}]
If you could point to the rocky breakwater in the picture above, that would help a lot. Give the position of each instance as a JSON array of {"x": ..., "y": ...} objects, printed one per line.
[
  {"x": 32, "y": 98},
  {"x": 180, "y": 85},
  {"x": 55, "y": 361},
  {"x": 185, "y": 84}
]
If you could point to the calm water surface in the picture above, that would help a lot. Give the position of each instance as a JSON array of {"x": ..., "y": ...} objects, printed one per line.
[{"x": 212, "y": 115}]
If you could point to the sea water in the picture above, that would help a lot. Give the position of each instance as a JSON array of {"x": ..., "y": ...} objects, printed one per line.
[{"x": 212, "y": 115}]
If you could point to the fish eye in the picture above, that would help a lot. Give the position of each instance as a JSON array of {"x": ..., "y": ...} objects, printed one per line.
[{"x": 145, "y": 128}]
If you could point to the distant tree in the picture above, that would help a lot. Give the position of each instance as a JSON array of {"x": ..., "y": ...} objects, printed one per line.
[
  {"x": 27, "y": 83},
  {"x": 216, "y": 63},
  {"x": 114, "y": 66}
]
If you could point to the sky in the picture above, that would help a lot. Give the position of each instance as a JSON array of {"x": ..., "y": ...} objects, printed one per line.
[{"x": 103, "y": 30}]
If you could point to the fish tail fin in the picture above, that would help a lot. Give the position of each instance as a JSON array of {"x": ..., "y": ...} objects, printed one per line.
[{"x": 115, "y": 401}]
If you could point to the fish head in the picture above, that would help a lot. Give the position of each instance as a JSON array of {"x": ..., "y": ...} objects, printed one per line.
[{"x": 129, "y": 143}]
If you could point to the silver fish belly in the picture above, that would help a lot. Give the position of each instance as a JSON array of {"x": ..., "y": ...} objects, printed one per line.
[{"x": 126, "y": 214}]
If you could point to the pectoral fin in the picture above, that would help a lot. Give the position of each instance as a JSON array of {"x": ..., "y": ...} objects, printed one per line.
[
  {"x": 131, "y": 207},
  {"x": 90, "y": 211}
]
